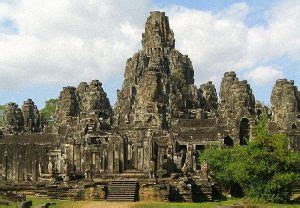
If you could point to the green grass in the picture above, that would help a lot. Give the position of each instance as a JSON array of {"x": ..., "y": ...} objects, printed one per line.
[
  {"x": 39, "y": 201},
  {"x": 210, "y": 204},
  {"x": 78, "y": 204}
]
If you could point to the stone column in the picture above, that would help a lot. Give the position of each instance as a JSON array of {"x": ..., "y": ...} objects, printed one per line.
[
  {"x": 34, "y": 170},
  {"x": 6, "y": 165},
  {"x": 1, "y": 171},
  {"x": 147, "y": 156},
  {"x": 189, "y": 152},
  {"x": 122, "y": 161},
  {"x": 110, "y": 158},
  {"x": 116, "y": 159},
  {"x": 170, "y": 159}
]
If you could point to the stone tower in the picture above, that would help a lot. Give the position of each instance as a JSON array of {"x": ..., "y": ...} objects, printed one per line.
[
  {"x": 237, "y": 107},
  {"x": 208, "y": 99},
  {"x": 32, "y": 119},
  {"x": 285, "y": 104},
  {"x": 13, "y": 119},
  {"x": 159, "y": 81},
  {"x": 78, "y": 108},
  {"x": 66, "y": 111}
]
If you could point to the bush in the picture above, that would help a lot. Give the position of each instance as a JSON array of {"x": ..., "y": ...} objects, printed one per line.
[{"x": 264, "y": 169}]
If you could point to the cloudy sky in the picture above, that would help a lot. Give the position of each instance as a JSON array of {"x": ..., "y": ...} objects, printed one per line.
[{"x": 45, "y": 45}]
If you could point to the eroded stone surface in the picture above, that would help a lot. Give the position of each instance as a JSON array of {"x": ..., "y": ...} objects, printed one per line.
[
  {"x": 32, "y": 118},
  {"x": 159, "y": 81},
  {"x": 208, "y": 98},
  {"x": 13, "y": 120},
  {"x": 81, "y": 108},
  {"x": 285, "y": 104}
]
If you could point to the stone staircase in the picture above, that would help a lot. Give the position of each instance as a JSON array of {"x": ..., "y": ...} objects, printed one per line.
[
  {"x": 59, "y": 192},
  {"x": 122, "y": 190},
  {"x": 296, "y": 187},
  {"x": 202, "y": 190}
]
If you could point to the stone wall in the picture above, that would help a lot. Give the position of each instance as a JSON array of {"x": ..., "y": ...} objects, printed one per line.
[{"x": 26, "y": 157}]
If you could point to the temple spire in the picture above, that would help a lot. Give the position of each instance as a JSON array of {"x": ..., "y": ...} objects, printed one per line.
[{"x": 158, "y": 34}]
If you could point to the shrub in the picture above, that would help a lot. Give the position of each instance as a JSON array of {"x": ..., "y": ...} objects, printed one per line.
[{"x": 264, "y": 169}]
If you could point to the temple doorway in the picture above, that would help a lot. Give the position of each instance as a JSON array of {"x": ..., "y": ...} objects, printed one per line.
[
  {"x": 244, "y": 131},
  {"x": 198, "y": 151}
]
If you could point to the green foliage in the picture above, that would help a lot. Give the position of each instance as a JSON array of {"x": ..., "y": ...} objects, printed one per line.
[
  {"x": 264, "y": 168},
  {"x": 49, "y": 110}
]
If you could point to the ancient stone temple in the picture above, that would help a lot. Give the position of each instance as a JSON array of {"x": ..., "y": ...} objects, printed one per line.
[{"x": 150, "y": 141}]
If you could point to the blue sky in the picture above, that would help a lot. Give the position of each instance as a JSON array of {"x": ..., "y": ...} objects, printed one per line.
[{"x": 46, "y": 45}]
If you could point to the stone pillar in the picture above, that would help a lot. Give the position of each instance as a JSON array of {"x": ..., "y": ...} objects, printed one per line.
[
  {"x": 134, "y": 157},
  {"x": 170, "y": 159},
  {"x": 194, "y": 166},
  {"x": 34, "y": 170},
  {"x": 116, "y": 159},
  {"x": 159, "y": 158},
  {"x": 104, "y": 160},
  {"x": 77, "y": 156},
  {"x": 1, "y": 171},
  {"x": 6, "y": 166},
  {"x": 122, "y": 162},
  {"x": 110, "y": 158},
  {"x": 147, "y": 155},
  {"x": 189, "y": 154},
  {"x": 15, "y": 165}
]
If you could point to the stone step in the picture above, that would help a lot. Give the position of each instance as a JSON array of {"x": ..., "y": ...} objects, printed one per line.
[
  {"x": 118, "y": 191},
  {"x": 122, "y": 190},
  {"x": 120, "y": 199},
  {"x": 120, "y": 195},
  {"x": 122, "y": 185},
  {"x": 113, "y": 193}
]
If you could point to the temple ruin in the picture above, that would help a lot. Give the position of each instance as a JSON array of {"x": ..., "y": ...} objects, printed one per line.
[{"x": 150, "y": 141}]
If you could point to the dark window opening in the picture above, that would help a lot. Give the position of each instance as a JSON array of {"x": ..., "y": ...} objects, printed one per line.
[
  {"x": 258, "y": 112},
  {"x": 244, "y": 131},
  {"x": 228, "y": 142},
  {"x": 294, "y": 126},
  {"x": 182, "y": 150},
  {"x": 198, "y": 151}
]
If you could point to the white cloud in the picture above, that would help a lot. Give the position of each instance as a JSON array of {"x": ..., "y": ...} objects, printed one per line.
[
  {"x": 236, "y": 12},
  {"x": 219, "y": 42},
  {"x": 264, "y": 75},
  {"x": 69, "y": 41},
  {"x": 76, "y": 40}
]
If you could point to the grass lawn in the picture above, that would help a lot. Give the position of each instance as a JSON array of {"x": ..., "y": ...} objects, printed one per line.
[
  {"x": 103, "y": 204},
  {"x": 209, "y": 204}
]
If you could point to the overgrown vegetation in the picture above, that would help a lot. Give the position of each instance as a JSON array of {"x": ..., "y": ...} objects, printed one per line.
[
  {"x": 264, "y": 169},
  {"x": 49, "y": 110}
]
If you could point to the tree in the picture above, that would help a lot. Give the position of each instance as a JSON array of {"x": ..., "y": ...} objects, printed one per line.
[
  {"x": 264, "y": 169},
  {"x": 49, "y": 110}
]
